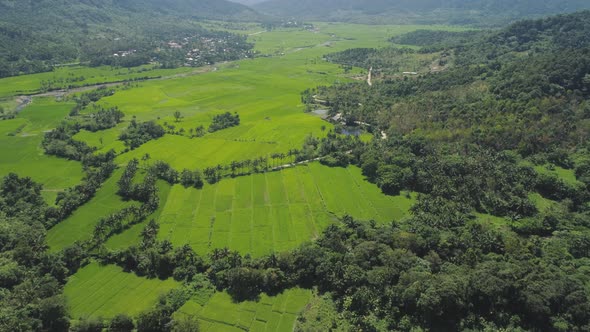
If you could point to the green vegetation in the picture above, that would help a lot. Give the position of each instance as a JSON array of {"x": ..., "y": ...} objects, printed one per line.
[
  {"x": 79, "y": 226},
  {"x": 223, "y": 121},
  {"x": 127, "y": 34},
  {"x": 450, "y": 197},
  {"x": 275, "y": 211},
  {"x": 81, "y": 76},
  {"x": 140, "y": 133},
  {"x": 106, "y": 291},
  {"x": 479, "y": 12},
  {"x": 20, "y": 139},
  {"x": 220, "y": 313},
  {"x": 321, "y": 314}
]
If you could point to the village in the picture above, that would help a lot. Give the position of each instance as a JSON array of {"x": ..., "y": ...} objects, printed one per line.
[{"x": 201, "y": 50}]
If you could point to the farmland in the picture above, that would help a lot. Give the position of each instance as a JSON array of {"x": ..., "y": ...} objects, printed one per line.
[
  {"x": 255, "y": 214},
  {"x": 78, "y": 76},
  {"x": 80, "y": 225},
  {"x": 105, "y": 291},
  {"x": 20, "y": 140},
  {"x": 273, "y": 211},
  {"x": 219, "y": 313}
]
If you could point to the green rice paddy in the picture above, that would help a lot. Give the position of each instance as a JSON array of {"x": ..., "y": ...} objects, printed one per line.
[
  {"x": 80, "y": 225},
  {"x": 274, "y": 314},
  {"x": 20, "y": 149},
  {"x": 274, "y": 211},
  {"x": 105, "y": 291},
  {"x": 79, "y": 76}
]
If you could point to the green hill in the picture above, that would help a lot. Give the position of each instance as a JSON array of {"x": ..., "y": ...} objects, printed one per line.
[
  {"x": 34, "y": 35},
  {"x": 478, "y": 12}
]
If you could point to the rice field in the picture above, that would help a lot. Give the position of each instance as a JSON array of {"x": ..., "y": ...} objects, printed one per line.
[
  {"x": 78, "y": 76},
  {"x": 256, "y": 214},
  {"x": 273, "y": 314},
  {"x": 105, "y": 291},
  {"x": 274, "y": 211},
  {"x": 21, "y": 153},
  {"x": 131, "y": 236},
  {"x": 80, "y": 225}
]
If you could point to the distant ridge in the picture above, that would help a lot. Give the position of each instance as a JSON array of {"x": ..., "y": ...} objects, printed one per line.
[{"x": 477, "y": 12}]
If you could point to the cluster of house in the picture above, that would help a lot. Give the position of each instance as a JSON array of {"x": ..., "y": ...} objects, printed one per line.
[
  {"x": 124, "y": 53},
  {"x": 199, "y": 49}
]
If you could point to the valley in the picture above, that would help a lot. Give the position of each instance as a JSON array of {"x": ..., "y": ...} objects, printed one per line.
[
  {"x": 228, "y": 170},
  {"x": 253, "y": 214}
]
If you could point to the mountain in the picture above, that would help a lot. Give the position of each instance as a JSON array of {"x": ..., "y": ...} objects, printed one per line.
[
  {"x": 36, "y": 34},
  {"x": 248, "y": 2},
  {"x": 480, "y": 12},
  {"x": 11, "y": 10}
]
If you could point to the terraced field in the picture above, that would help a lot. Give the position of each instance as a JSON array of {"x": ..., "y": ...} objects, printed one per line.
[
  {"x": 104, "y": 291},
  {"x": 274, "y": 211},
  {"x": 272, "y": 314}
]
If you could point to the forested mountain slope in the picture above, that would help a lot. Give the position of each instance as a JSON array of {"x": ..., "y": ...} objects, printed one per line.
[
  {"x": 498, "y": 145},
  {"x": 37, "y": 34},
  {"x": 431, "y": 11}
]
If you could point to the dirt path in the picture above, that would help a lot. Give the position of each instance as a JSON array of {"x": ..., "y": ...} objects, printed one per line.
[
  {"x": 370, "y": 77},
  {"x": 61, "y": 93},
  {"x": 383, "y": 133},
  {"x": 297, "y": 163},
  {"x": 302, "y": 162},
  {"x": 22, "y": 102}
]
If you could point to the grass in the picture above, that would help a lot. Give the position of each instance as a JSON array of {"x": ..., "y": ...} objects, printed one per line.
[
  {"x": 488, "y": 219},
  {"x": 567, "y": 175},
  {"x": 80, "y": 225},
  {"x": 21, "y": 152},
  {"x": 274, "y": 211},
  {"x": 220, "y": 313},
  {"x": 542, "y": 203},
  {"x": 321, "y": 314},
  {"x": 103, "y": 140},
  {"x": 8, "y": 104},
  {"x": 182, "y": 152},
  {"x": 105, "y": 291}
]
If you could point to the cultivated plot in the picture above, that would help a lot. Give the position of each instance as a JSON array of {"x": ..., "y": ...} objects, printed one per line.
[
  {"x": 105, "y": 291},
  {"x": 80, "y": 225},
  {"x": 220, "y": 313},
  {"x": 21, "y": 152},
  {"x": 130, "y": 236},
  {"x": 275, "y": 211},
  {"x": 78, "y": 76}
]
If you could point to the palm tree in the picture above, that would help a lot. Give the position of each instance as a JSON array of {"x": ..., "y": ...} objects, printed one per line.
[
  {"x": 177, "y": 116},
  {"x": 247, "y": 166},
  {"x": 233, "y": 166}
]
